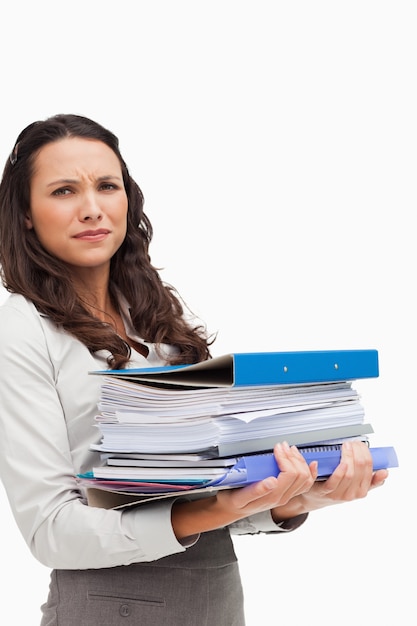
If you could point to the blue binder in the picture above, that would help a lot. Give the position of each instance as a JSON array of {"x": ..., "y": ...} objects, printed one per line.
[{"x": 261, "y": 368}]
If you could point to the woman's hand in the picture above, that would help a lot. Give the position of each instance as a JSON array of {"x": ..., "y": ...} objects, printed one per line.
[
  {"x": 294, "y": 478},
  {"x": 293, "y": 492},
  {"x": 352, "y": 479}
]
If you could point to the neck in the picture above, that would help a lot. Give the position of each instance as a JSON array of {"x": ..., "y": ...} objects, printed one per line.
[{"x": 93, "y": 289}]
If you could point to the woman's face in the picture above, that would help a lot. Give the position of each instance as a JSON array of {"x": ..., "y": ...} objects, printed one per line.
[{"x": 78, "y": 203}]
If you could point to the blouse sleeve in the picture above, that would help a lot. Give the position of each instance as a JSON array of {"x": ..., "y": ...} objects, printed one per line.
[
  {"x": 263, "y": 523},
  {"x": 38, "y": 472}
]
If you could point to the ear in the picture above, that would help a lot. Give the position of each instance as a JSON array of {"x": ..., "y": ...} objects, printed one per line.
[{"x": 28, "y": 221}]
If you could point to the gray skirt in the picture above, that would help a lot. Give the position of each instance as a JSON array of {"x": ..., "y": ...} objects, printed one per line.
[{"x": 199, "y": 587}]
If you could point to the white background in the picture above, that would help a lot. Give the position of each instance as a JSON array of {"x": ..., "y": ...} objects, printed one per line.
[{"x": 275, "y": 143}]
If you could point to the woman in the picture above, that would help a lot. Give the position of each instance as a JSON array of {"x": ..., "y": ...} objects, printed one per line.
[{"x": 84, "y": 296}]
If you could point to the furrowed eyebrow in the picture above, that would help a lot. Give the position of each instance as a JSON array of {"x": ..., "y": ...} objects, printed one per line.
[
  {"x": 74, "y": 181},
  {"x": 109, "y": 177},
  {"x": 63, "y": 181}
]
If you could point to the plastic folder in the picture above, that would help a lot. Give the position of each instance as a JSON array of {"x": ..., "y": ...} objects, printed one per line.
[
  {"x": 261, "y": 368},
  {"x": 252, "y": 468}
]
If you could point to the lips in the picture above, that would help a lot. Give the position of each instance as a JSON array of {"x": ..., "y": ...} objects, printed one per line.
[{"x": 92, "y": 234}]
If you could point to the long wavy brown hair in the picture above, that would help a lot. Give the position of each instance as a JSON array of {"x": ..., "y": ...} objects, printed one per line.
[{"x": 157, "y": 311}]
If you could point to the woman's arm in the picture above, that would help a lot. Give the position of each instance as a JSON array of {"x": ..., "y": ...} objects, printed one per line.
[
  {"x": 228, "y": 506},
  {"x": 48, "y": 403}
]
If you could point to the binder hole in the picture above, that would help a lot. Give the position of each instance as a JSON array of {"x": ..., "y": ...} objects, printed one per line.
[
  {"x": 285, "y": 368},
  {"x": 336, "y": 366}
]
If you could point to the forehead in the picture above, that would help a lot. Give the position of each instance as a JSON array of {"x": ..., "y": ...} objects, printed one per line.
[{"x": 76, "y": 156}]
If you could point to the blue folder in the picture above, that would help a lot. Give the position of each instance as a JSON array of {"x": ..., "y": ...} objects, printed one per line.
[
  {"x": 252, "y": 468},
  {"x": 261, "y": 368}
]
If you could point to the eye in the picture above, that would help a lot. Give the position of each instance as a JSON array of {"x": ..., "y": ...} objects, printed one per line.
[
  {"x": 62, "y": 191},
  {"x": 108, "y": 187}
]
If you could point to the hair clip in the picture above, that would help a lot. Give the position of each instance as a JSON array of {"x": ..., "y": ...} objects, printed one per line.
[{"x": 13, "y": 155}]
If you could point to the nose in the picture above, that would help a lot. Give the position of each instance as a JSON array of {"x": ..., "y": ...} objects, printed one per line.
[
  {"x": 90, "y": 211},
  {"x": 93, "y": 217}
]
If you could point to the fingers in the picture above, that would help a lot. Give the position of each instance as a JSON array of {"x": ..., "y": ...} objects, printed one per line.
[
  {"x": 354, "y": 476},
  {"x": 296, "y": 483},
  {"x": 295, "y": 473},
  {"x": 295, "y": 477},
  {"x": 379, "y": 478}
]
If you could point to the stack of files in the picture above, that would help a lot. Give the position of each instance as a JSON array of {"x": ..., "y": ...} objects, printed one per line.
[
  {"x": 137, "y": 418},
  {"x": 235, "y": 404},
  {"x": 214, "y": 424}
]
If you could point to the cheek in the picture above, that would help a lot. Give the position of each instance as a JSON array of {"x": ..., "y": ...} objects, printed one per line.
[
  {"x": 124, "y": 217},
  {"x": 50, "y": 229},
  {"x": 119, "y": 224},
  {"x": 123, "y": 230}
]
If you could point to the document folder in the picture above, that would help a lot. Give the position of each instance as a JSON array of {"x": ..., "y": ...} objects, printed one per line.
[{"x": 261, "y": 368}]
